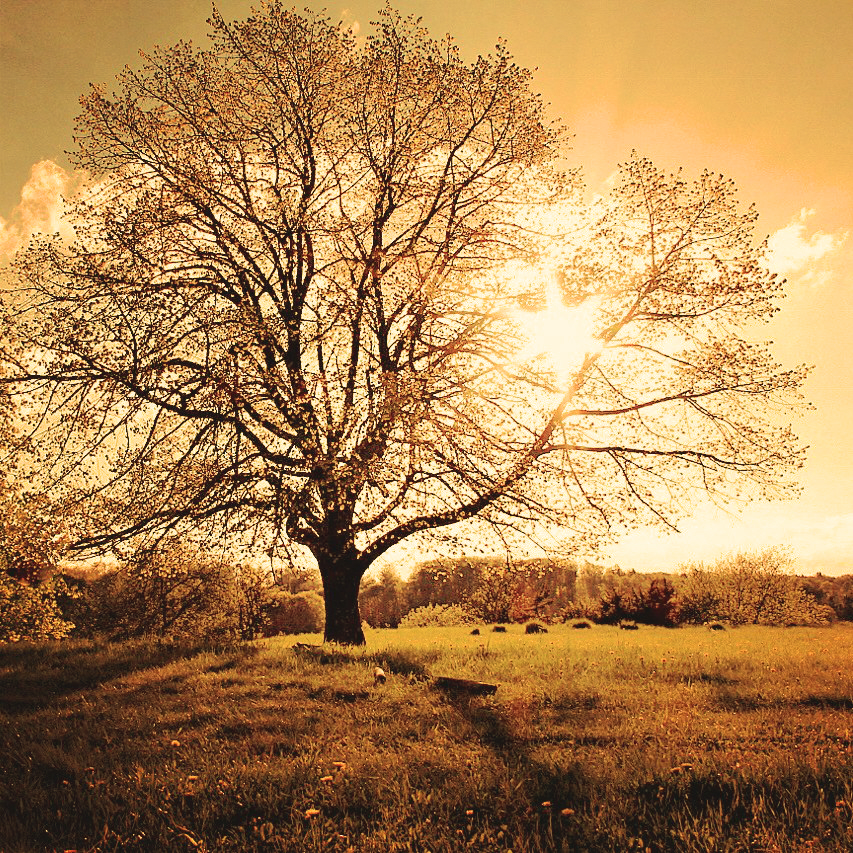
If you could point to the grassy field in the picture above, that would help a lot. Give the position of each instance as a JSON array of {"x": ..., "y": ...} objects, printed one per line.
[{"x": 656, "y": 739}]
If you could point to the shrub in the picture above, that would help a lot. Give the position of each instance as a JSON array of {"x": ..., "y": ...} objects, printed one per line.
[
  {"x": 756, "y": 587},
  {"x": 535, "y": 628},
  {"x": 168, "y": 592},
  {"x": 437, "y": 615},
  {"x": 176, "y": 592},
  {"x": 301, "y": 613},
  {"x": 31, "y": 611},
  {"x": 582, "y": 624}
]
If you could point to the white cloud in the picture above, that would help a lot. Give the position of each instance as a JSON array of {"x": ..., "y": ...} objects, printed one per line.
[
  {"x": 349, "y": 22},
  {"x": 794, "y": 252},
  {"x": 40, "y": 209}
]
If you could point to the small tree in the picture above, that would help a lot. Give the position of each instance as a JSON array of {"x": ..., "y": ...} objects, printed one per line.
[
  {"x": 164, "y": 592},
  {"x": 756, "y": 587},
  {"x": 381, "y": 602},
  {"x": 659, "y": 604},
  {"x": 32, "y": 611},
  {"x": 496, "y": 593}
]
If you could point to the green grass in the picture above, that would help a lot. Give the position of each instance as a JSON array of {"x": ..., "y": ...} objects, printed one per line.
[{"x": 657, "y": 739}]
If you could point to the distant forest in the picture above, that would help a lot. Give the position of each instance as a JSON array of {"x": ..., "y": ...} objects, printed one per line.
[
  {"x": 184, "y": 593},
  {"x": 746, "y": 588}
]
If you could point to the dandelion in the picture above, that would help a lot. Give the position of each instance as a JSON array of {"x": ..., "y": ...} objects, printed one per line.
[
  {"x": 339, "y": 765},
  {"x": 176, "y": 743},
  {"x": 567, "y": 812},
  {"x": 309, "y": 813},
  {"x": 469, "y": 812},
  {"x": 546, "y": 804},
  {"x": 327, "y": 778}
]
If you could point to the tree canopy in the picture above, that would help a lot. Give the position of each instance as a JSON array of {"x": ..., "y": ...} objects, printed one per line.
[{"x": 297, "y": 308}]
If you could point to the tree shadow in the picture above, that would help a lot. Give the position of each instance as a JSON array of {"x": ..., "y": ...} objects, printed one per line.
[
  {"x": 549, "y": 792},
  {"x": 33, "y": 676},
  {"x": 394, "y": 662},
  {"x": 726, "y": 701}
]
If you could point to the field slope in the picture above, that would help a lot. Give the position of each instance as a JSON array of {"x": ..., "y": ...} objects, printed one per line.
[{"x": 599, "y": 740}]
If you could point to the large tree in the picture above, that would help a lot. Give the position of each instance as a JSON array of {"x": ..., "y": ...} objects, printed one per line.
[{"x": 295, "y": 308}]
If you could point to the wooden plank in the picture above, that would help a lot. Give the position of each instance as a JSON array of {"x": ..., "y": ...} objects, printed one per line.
[{"x": 465, "y": 685}]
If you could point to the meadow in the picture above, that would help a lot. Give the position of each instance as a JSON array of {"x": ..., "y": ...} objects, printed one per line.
[{"x": 596, "y": 740}]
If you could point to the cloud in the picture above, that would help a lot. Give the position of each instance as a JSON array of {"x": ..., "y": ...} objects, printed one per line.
[
  {"x": 349, "y": 22},
  {"x": 40, "y": 209},
  {"x": 795, "y": 253}
]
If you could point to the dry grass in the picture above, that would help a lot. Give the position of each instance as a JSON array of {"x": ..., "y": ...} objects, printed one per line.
[{"x": 682, "y": 740}]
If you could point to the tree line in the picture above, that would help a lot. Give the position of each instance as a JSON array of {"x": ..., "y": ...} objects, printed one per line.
[
  {"x": 746, "y": 588},
  {"x": 178, "y": 591}
]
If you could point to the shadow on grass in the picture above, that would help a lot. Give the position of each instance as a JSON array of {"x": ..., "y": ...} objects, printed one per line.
[
  {"x": 726, "y": 701},
  {"x": 34, "y": 676},
  {"x": 548, "y": 794},
  {"x": 394, "y": 662}
]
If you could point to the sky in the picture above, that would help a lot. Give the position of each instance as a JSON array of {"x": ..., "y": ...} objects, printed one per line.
[{"x": 760, "y": 90}]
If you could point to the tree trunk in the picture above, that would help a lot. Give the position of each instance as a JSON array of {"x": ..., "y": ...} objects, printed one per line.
[{"x": 341, "y": 582}]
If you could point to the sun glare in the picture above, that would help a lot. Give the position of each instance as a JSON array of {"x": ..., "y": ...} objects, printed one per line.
[{"x": 561, "y": 334}]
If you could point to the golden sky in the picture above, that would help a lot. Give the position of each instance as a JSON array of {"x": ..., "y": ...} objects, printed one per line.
[{"x": 761, "y": 90}]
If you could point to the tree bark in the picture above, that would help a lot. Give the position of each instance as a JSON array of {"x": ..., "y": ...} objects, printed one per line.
[{"x": 341, "y": 582}]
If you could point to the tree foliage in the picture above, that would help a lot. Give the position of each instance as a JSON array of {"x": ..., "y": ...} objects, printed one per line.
[
  {"x": 32, "y": 612},
  {"x": 749, "y": 588},
  {"x": 290, "y": 316},
  {"x": 175, "y": 591}
]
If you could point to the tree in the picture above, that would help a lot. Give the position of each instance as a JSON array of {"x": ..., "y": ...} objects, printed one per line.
[
  {"x": 294, "y": 311},
  {"x": 757, "y": 588},
  {"x": 32, "y": 612},
  {"x": 381, "y": 602}
]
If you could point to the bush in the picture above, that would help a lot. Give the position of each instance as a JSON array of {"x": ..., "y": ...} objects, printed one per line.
[
  {"x": 437, "y": 615},
  {"x": 175, "y": 592},
  {"x": 301, "y": 613},
  {"x": 31, "y": 611},
  {"x": 170, "y": 592},
  {"x": 756, "y": 587}
]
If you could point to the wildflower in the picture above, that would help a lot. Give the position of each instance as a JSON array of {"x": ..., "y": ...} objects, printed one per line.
[
  {"x": 309, "y": 813},
  {"x": 546, "y": 804},
  {"x": 192, "y": 778},
  {"x": 176, "y": 743},
  {"x": 469, "y": 812},
  {"x": 327, "y": 778},
  {"x": 339, "y": 765},
  {"x": 567, "y": 812}
]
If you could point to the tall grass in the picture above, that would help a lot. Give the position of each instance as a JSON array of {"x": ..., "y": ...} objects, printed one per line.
[{"x": 657, "y": 739}]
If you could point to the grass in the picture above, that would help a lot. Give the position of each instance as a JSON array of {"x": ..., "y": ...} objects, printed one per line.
[{"x": 599, "y": 740}]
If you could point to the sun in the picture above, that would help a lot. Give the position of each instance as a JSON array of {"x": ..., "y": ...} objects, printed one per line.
[{"x": 563, "y": 335}]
